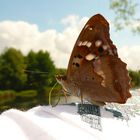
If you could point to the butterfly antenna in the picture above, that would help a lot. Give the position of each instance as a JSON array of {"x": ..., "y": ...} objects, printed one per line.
[
  {"x": 64, "y": 91},
  {"x": 50, "y": 96}
]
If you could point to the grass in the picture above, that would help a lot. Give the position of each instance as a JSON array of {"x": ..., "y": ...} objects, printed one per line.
[{"x": 27, "y": 93}]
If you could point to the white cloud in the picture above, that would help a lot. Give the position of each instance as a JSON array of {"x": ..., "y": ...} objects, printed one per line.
[
  {"x": 131, "y": 56},
  {"x": 21, "y": 35},
  {"x": 25, "y": 36}
]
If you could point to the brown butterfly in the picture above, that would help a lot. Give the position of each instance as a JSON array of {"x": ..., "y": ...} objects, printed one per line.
[{"x": 95, "y": 73}]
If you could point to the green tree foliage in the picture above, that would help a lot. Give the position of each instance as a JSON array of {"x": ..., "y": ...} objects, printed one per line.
[
  {"x": 41, "y": 69},
  {"x": 125, "y": 11},
  {"x": 135, "y": 78},
  {"x": 34, "y": 71},
  {"x": 60, "y": 71},
  {"x": 12, "y": 65}
]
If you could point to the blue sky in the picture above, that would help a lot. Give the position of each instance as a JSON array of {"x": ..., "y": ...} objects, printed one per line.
[{"x": 47, "y": 14}]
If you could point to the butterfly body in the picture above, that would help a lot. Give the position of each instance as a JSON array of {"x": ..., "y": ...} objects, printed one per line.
[{"x": 95, "y": 72}]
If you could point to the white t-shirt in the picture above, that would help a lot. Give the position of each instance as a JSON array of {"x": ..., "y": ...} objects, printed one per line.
[{"x": 64, "y": 123}]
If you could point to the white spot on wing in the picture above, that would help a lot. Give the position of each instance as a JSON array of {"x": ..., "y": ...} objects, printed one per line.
[
  {"x": 89, "y": 44},
  {"x": 105, "y": 47},
  {"x": 115, "y": 51},
  {"x": 90, "y": 28},
  {"x": 103, "y": 83},
  {"x": 86, "y": 26},
  {"x": 97, "y": 57},
  {"x": 90, "y": 56},
  {"x": 84, "y": 43},
  {"x": 98, "y": 43},
  {"x": 110, "y": 52},
  {"x": 79, "y": 43},
  {"x": 101, "y": 73}
]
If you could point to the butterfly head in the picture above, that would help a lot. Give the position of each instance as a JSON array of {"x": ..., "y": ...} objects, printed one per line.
[
  {"x": 68, "y": 86},
  {"x": 61, "y": 79}
]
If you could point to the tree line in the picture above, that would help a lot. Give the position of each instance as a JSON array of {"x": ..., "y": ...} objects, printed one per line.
[
  {"x": 135, "y": 78},
  {"x": 35, "y": 71}
]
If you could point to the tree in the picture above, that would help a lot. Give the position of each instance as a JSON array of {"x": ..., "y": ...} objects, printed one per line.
[
  {"x": 135, "y": 78},
  {"x": 40, "y": 70},
  {"x": 12, "y": 65},
  {"x": 125, "y": 11}
]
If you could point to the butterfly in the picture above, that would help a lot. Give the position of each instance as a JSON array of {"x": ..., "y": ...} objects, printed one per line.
[{"x": 95, "y": 72}]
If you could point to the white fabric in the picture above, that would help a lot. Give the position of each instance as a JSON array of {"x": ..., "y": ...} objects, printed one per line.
[{"x": 64, "y": 123}]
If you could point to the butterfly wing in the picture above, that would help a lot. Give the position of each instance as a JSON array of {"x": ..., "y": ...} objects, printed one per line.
[{"x": 95, "y": 67}]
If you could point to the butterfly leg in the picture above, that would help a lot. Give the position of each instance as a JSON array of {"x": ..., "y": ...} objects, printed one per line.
[
  {"x": 82, "y": 99},
  {"x": 79, "y": 94},
  {"x": 65, "y": 94}
]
